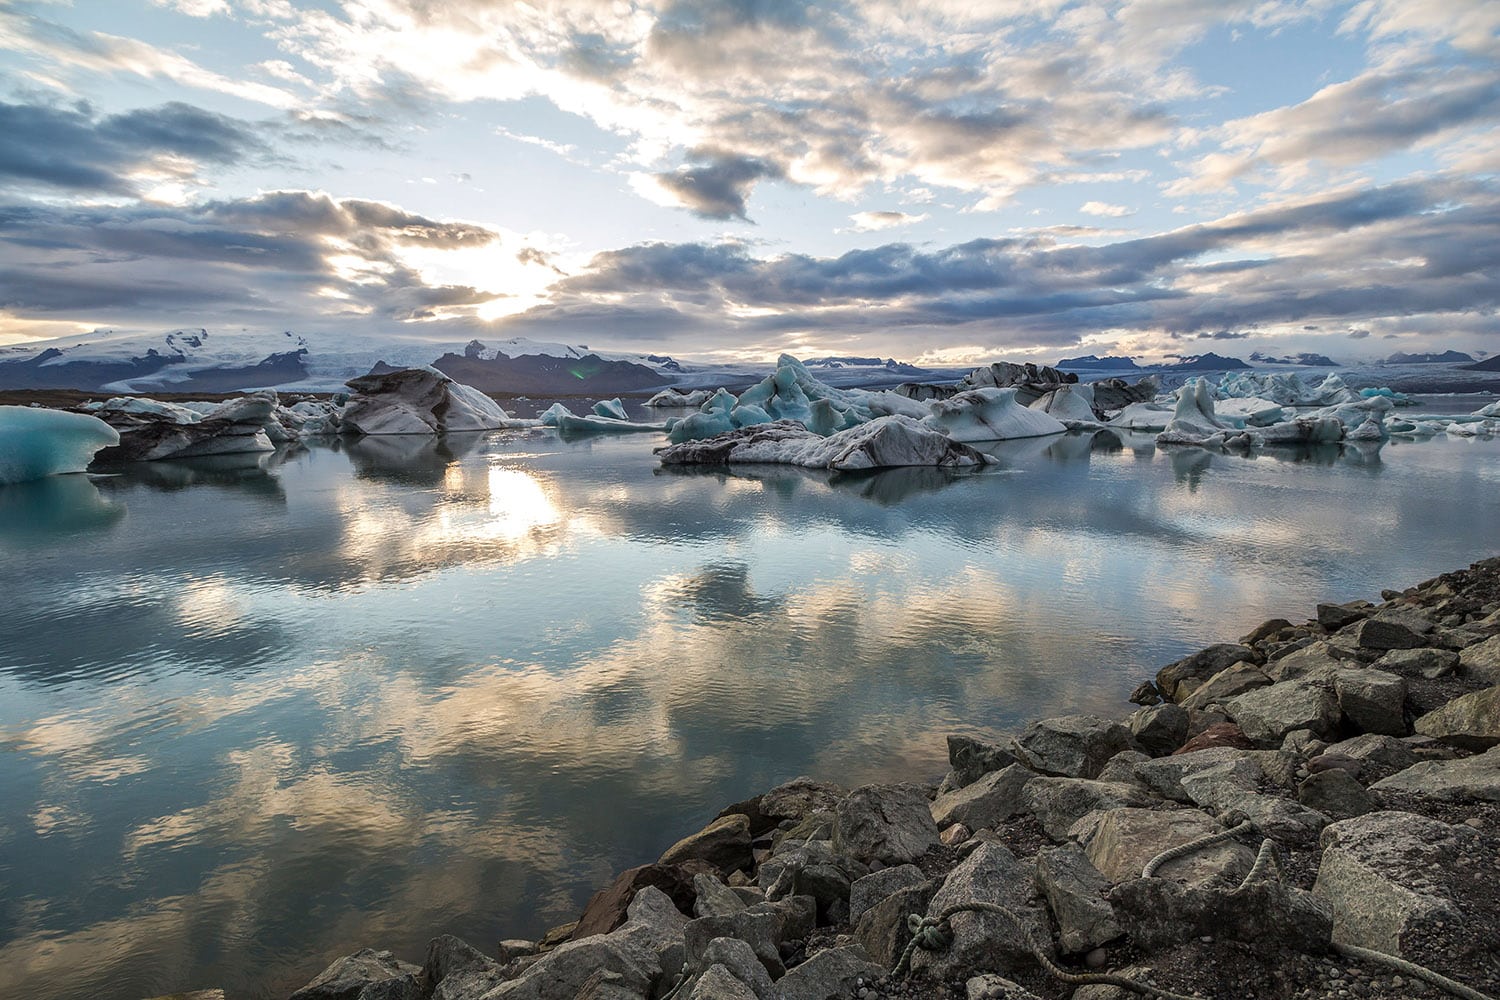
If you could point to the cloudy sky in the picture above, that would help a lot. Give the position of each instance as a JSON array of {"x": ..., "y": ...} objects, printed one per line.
[{"x": 936, "y": 180}]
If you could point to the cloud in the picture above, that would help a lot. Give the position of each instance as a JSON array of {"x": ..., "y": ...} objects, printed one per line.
[
  {"x": 123, "y": 154},
  {"x": 867, "y": 222},
  {"x": 1358, "y": 334},
  {"x": 718, "y": 188},
  {"x": 1105, "y": 209},
  {"x": 103, "y": 53}
]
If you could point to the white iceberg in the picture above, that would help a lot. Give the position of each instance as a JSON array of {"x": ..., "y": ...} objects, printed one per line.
[
  {"x": 593, "y": 423},
  {"x": 36, "y": 442},
  {"x": 611, "y": 409},
  {"x": 1285, "y": 388},
  {"x": 884, "y": 442},
  {"x": 1142, "y": 417},
  {"x": 419, "y": 401},
  {"x": 1249, "y": 411},
  {"x": 1371, "y": 430},
  {"x": 1193, "y": 420},
  {"x": 1072, "y": 403},
  {"x": 989, "y": 415},
  {"x": 674, "y": 397},
  {"x": 1493, "y": 410}
]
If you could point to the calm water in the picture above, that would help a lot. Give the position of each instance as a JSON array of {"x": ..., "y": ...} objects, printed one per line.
[{"x": 257, "y": 713}]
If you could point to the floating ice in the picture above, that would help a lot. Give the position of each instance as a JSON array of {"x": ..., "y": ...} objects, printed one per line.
[
  {"x": 1493, "y": 410},
  {"x": 1073, "y": 404},
  {"x": 1285, "y": 388},
  {"x": 611, "y": 409},
  {"x": 418, "y": 401},
  {"x": 1249, "y": 411},
  {"x": 989, "y": 415},
  {"x": 1142, "y": 417},
  {"x": 593, "y": 423},
  {"x": 674, "y": 397},
  {"x": 36, "y": 443},
  {"x": 884, "y": 442},
  {"x": 1193, "y": 419}
]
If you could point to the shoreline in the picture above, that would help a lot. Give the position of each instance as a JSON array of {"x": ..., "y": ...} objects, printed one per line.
[{"x": 1364, "y": 746}]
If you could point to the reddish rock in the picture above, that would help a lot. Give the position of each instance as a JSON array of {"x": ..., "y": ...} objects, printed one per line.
[
  {"x": 1220, "y": 734},
  {"x": 606, "y": 910}
]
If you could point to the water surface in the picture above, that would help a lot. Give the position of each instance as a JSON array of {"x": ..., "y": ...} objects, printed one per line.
[{"x": 258, "y": 712}]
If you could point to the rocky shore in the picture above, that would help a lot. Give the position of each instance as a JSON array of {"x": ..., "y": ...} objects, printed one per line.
[{"x": 1279, "y": 814}]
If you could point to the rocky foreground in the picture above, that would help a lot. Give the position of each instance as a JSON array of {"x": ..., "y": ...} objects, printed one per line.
[{"x": 1353, "y": 762}]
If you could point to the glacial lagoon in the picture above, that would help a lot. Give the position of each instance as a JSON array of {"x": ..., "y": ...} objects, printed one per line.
[{"x": 257, "y": 712}]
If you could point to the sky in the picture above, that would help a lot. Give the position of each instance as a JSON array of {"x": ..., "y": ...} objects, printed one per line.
[{"x": 940, "y": 181}]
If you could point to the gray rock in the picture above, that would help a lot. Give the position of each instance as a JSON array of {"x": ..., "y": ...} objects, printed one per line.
[
  {"x": 827, "y": 975},
  {"x": 827, "y": 884},
  {"x": 1123, "y": 840},
  {"x": 874, "y": 887},
  {"x": 795, "y": 916},
  {"x": 1381, "y": 634},
  {"x": 1267, "y": 714},
  {"x": 1164, "y": 775},
  {"x": 1482, "y": 660},
  {"x": 365, "y": 975},
  {"x": 1336, "y": 616},
  {"x": 887, "y": 823},
  {"x": 1201, "y": 665},
  {"x": 1315, "y": 660},
  {"x": 1264, "y": 631},
  {"x": 736, "y": 958},
  {"x": 718, "y": 983},
  {"x": 882, "y": 930},
  {"x": 1121, "y": 768},
  {"x": 1269, "y": 918},
  {"x": 988, "y": 986},
  {"x": 1072, "y": 746},
  {"x": 1370, "y": 874},
  {"x": 1336, "y": 794},
  {"x": 1373, "y": 700},
  {"x": 1471, "y": 722},
  {"x": 757, "y": 929},
  {"x": 1145, "y": 693},
  {"x": 724, "y": 843},
  {"x": 989, "y": 799},
  {"x": 1467, "y": 780},
  {"x": 1223, "y": 790},
  {"x": 512, "y": 948},
  {"x": 796, "y": 799},
  {"x": 1232, "y": 680},
  {"x": 714, "y": 898},
  {"x": 1378, "y": 756},
  {"x": 1076, "y": 891},
  {"x": 455, "y": 970},
  {"x": 1427, "y": 661},
  {"x": 1058, "y": 803},
  {"x": 990, "y": 874},
  {"x": 972, "y": 759},
  {"x": 1159, "y": 729},
  {"x": 1406, "y": 617},
  {"x": 562, "y": 973}
]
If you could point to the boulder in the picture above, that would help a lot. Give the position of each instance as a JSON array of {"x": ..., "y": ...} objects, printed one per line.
[
  {"x": 1471, "y": 779},
  {"x": 608, "y": 907},
  {"x": 365, "y": 975},
  {"x": 1372, "y": 700},
  {"x": 1381, "y": 634},
  {"x": 1072, "y": 746},
  {"x": 1202, "y": 664},
  {"x": 1120, "y": 843},
  {"x": 757, "y": 929},
  {"x": 455, "y": 970},
  {"x": 1164, "y": 775},
  {"x": 738, "y": 960},
  {"x": 1159, "y": 729},
  {"x": 1076, "y": 891},
  {"x": 714, "y": 898},
  {"x": 1374, "y": 874},
  {"x": 1121, "y": 768},
  {"x": 1427, "y": 661},
  {"x": 1315, "y": 660},
  {"x": 990, "y": 874},
  {"x": 1336, "y": 616},
  {"x": 828, "y": 885},
  {"x": 972, "y": 759},
  {"x": 827, "y": 975},
  {"x": 1336, "y": 794},
  {"x": 724, "y": 843},
  {"x": 1264, "y": 631},
  {"x": 1377, "y": 756},
  {"x": 718, "y": 983},
  {"x": 883, "y": 929},
  {"x": 988, "y": 986},
  {"x": 797, "y": 799},
  {"x": 874, "y": 887},
  {"x": 1215, "y": 736},
  {"x": 1267, "y": 714},
  {"x": 1471, "y": 722},
  {"x": 1482, "y": 660},
  {"x": 1267, "y": 918},
  {"x": 891, "y": 824},
  {"x": 1058, "y": 803},
  {"x": 1232, "y": 680},
  {"x": 989, "y": 799},
  {"x": 1225, "y": 790}
]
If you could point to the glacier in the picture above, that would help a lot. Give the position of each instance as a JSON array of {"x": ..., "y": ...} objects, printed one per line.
[{"x": 36, "y": 442}]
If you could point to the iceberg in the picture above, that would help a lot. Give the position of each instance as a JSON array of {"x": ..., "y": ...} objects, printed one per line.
[
  {"x": 1193, "y": 420},
  {"x": 676, "y": 397},
  {"x": 884, "y": 442},
  {"x": 989, "y": 415},
  {"x": 593, "y": 423},
  {"x": 37, "y": 442},
  {"x": 1073, "y": 404},
  {"x": 1493, "y": 410},
  {"x": 419, "y": 401},
  {"x": 1285, "y": 388},
  {"x": 611, "y": 409},
  {"x": 151, "y": 430},
  {"x": 1142, "y": 417},
  {"x": 1249, "y": 411}
]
